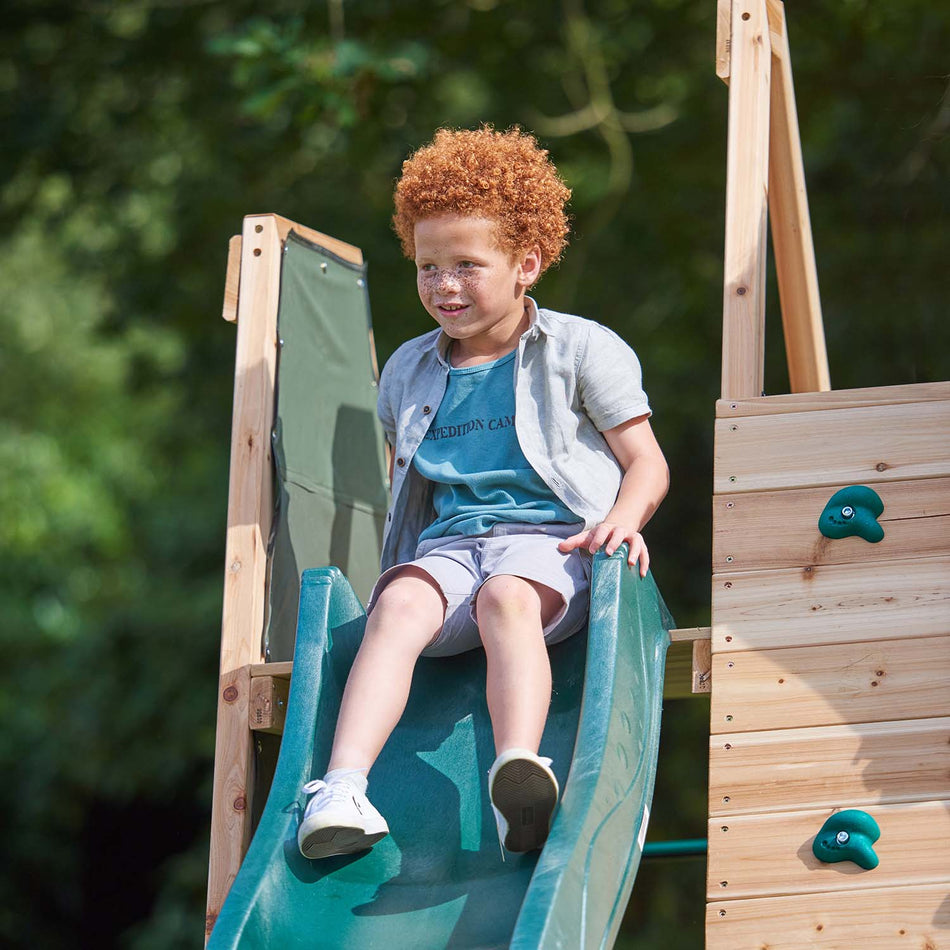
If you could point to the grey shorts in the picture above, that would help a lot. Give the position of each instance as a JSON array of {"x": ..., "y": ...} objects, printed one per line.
[{"x": 460, "y": 565}]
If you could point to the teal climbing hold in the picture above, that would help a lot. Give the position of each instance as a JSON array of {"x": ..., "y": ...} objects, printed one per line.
[
  {"x": 853, "y": 512},
  {"x": 848, "y": 836}
]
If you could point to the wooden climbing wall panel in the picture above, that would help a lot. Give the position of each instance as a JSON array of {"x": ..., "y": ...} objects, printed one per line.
[{"x": 830, "y": 664}]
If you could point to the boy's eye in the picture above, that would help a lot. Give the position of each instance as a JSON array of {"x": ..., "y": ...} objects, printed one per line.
[
  {"x": 427, "y": 267},
  {"x": 466, "y": 264}
]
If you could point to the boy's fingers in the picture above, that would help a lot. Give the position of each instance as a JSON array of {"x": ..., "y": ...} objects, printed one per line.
[{"x": 574, "y": 541}]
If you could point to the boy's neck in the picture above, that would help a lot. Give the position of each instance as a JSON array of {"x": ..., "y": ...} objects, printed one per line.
[{"x": 464, "y": 353}]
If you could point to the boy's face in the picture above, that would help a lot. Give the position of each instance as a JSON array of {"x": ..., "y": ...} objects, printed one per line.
[{"x": 471, "y": 287}]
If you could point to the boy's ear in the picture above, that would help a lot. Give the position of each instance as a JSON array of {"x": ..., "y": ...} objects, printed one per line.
[{"x": 529, "y": 269}]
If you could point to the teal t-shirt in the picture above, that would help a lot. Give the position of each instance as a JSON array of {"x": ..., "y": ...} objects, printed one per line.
[{"x": 471, "y": 453}]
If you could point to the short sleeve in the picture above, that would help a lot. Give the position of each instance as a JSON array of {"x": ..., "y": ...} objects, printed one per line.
[
  {"x": 609, "y": 380},
  {"x": 384, "y": 407}
]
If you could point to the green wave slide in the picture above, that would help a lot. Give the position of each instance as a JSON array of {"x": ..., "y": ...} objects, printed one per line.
[{"x": 439, "y": 880}]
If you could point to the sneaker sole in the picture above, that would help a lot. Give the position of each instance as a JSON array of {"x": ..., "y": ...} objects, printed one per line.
[
  {"x": 523, "y": 792},
  {"x": 327, "y": 842}
]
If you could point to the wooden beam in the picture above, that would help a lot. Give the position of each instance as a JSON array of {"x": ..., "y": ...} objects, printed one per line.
[
  {"x": 232, "y": 280},
  {"x": 876, "y": 919},
  {"x": 841, "y": 603},
  {"x": 723, "y": 38},
  {"x": 836, "y": 399},
  {"x": 916, "y": 523},
  {"x": 851, "y": 446},
  {"x": 880, "y": 681},
  {"x": 702, "y": 666},
  {"x": 347, "y": 251},
  {"x": 770, "y": 855},
  {"x": 791, "y": 226},
  {"x": 268, "y": 706},
  {"x": 250, "y": 503},
  {"x": 743, "y": 331},
  {"x": 858, "y": 763}
]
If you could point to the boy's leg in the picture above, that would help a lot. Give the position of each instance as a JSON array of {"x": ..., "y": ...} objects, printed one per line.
[
  {"x": 512, "y": 613},
  {"x": 406, "y": 617}
]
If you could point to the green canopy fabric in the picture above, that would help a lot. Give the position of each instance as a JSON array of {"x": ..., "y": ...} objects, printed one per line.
[{"x": 328, "y": 443}]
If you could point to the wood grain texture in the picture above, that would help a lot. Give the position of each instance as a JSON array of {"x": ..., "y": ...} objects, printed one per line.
[
  {"x": 723, "y": 38},
  {"x": 743, "y": 325},
  {"x": 268, "y": 704},
  {"x": 770, "y": 855},
  {"x": 891, "y": 918},
  {"x": 834, "y": 766},
  {"x": 836, "y": 399},
  {"x": 232, "y": 280},
  {"x": 231, "y": 799},
  {"x": 792, "y": 246},
  {"x": 844, "y": 683},
  {"x": 756, "y": 531},
  {"x": 347, "y": 251},
  {"x": 838, "y": 603},
  {"x": 848, "y": 446}
]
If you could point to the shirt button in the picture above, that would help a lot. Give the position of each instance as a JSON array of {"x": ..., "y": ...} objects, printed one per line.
[
  {"x": 400, "y": 462},
  {"x": 426, "y": 410}
]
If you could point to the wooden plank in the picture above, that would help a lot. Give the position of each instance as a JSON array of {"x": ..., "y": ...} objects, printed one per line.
[
  {"x": 840, "y": 603},
  {"x": 280, "y": 669},
  {"x": 768, "y": 530},
  {"x": 232, "y": 280},
  {"x": 847, "y": 447},
  {"x": 836, "y": 399},
  {"x": 743, "y": 330},
  {"x": 347, "y": 251},
  {"x": 690, "y": 633},
  {"x": 268, "y": 705},
  {"x": 723, "y": 38},
  {"x": 770, "y": 855},
  {"x": 680, "y": 669},
  {"x": 231, "y": 798},
  {"x": 915, "y": 918},
  {"x": 792, "y": 244},
  {"x": 832, "y": 685},
  {"x": 852, "y": 766},
  {"x": 248, "y": 526},
  {"x": 702, "y": 666}
]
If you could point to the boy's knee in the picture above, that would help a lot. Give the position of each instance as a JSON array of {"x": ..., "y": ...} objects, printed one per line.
[
  {"x": 507, "y": 594},
  {"x": 411, "y": 593}
]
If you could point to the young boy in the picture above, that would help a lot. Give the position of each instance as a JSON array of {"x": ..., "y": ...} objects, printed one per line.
[{"x": 521, "y": 445}]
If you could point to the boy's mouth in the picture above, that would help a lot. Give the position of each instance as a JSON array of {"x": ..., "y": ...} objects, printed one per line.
[{"x": 451, "y": 309}]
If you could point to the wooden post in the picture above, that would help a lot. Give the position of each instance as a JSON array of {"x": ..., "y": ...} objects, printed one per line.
[
  {"x": 791, "y": 227},
  {"x": 250, "y": 503},
  {"x": 743, "y": 332}
]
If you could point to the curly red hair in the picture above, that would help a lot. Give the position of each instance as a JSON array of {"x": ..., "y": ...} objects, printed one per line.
[{"x": 503, "y": 176}]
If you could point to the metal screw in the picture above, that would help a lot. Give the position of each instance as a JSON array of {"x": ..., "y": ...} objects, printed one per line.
[
  {"x": 847, "y": 512},
  {"x": 323, "y": 266},
  {"x": 842, "y": 837},
  {"x": 360, "y": 282}
]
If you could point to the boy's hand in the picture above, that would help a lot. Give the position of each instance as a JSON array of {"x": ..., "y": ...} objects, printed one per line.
[{"x": 609, "y": 535}]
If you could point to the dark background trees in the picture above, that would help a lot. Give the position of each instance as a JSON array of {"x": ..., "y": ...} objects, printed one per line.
[{"x": 136, "y": 135}]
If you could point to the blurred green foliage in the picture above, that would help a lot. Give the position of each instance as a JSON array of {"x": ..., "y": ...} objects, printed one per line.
[{"x": 135, "y": 137}]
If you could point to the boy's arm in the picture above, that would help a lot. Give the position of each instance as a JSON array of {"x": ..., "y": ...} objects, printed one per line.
[{"x": 644, "y": 485}]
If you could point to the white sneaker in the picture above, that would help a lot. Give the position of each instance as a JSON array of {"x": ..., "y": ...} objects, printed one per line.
[
  {"x": 339, "y": 819},
  {"x": 523, "y": 792}
]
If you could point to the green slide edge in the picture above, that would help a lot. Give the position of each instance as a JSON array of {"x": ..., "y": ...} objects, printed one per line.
[{"x": 582, "y": 880}]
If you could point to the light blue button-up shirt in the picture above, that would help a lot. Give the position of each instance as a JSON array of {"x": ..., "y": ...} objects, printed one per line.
[{"x": 574, "y": 379}]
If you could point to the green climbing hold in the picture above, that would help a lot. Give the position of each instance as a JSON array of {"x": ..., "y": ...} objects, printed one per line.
[
  {"x": 853, "y": 512},
  {"x": 848, "y": 836}
]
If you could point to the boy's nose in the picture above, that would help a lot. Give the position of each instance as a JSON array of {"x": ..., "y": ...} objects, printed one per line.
[{"x": 447, "y": 280}]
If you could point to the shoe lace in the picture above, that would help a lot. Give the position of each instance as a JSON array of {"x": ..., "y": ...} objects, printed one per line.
[{"x": 323, "y": 792}]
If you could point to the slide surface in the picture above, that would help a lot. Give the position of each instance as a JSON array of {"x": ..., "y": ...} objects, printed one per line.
[{"x": 438, "y": 880}]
